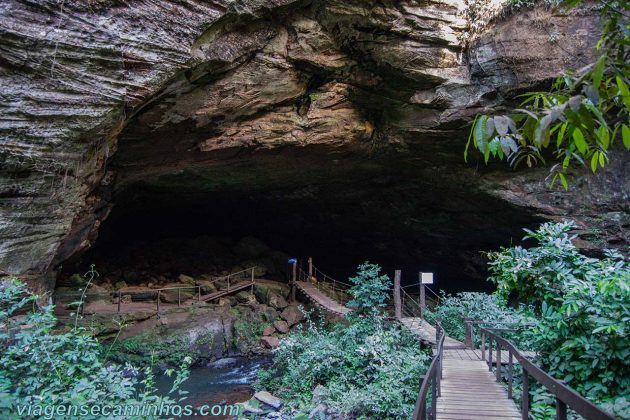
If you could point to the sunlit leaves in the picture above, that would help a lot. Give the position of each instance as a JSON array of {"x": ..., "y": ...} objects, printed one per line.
[{"x": 578, "y": 121}]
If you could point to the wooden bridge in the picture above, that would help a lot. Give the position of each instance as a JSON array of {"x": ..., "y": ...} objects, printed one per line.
[{"x": 460, "y": 377}]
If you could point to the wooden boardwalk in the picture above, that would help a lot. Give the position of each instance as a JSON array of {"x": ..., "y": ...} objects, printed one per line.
[
  {"x": 470, "y": 392},
  {"x": 468, "y": 354},
  {"x": 233, "y": 288},
  {"x": 319, "y": 298},
  {"x": 426, "y": 333}
]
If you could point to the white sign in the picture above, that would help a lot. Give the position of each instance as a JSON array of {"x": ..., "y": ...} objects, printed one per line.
[{"x": 426, "y": 278}]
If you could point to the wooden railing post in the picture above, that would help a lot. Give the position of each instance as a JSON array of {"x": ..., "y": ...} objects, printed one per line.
[
  {"x": 468, "y": 341},
  {"x": 158, "y": 303},
  {"x": 310, "y": 268},
  {"x": 397, "y": 301},
  {"x": 228, "y": 279},
  {"x": 525, "y": 397},
  {"x": 561, "y": 409},
  {"x": 483, "y": 346},
  {"x": 179, "y": 297},
  {"x": 294, "y": 280},
  {"x": 119, "y": 300},
  {"x": 510, "y": 373},
  {"x": 199, "y": 293},
  {"x": 423, "y": 301},
  {"x": 433, "y": 398},
  {"x": 498, "y": 372},
  {"x": 490, "y": 353}
]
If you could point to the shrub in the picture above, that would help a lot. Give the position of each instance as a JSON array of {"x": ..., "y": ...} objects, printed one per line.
[
  {"x": 368, "y": 368},
  {"x": 476, "y": 306},
  {"x": 370, "y": 290},
  {"x": 584, "y": 308},
  {"x": 40, "y": 367}
]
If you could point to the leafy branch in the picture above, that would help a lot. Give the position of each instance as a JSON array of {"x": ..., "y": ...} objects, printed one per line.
[{"x": 580, "y": 118}]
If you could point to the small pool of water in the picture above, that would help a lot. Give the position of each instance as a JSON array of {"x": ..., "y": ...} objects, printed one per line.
[{"x": 216, "y": 384}]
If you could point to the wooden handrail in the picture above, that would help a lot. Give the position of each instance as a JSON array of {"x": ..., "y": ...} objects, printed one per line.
[
  {"x": 250, "y": 272},
  {"x": 432, "y": 378},
  {"x": 565, "y": 396}
]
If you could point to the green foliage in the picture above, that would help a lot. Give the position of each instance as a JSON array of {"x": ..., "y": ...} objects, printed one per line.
[
  {"x": 370, "y": 290},
  {"x": 580, "y": 118},
  {"x": 147, "y": 349},
  {"x": 369, "y": 368},
  {"x": 248, "y": 332},
  {"x": 584, "y": 307},
  {"x": 39, "y": 367},
  {"x": 454, "y": 309}
]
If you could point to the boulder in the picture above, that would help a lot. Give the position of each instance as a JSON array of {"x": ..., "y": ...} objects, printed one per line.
[
  {"x": 268, "y": 399},
  {"x": 266, "y": 289},
  {"x": 281, "y": 326},
  {"x": 245, "y": 297},
  {"x": 207, "y": 287},
  {"x": 270, "y": 342},
  {"x": 171, "y": 296},
  {"x": 277, "y": 302},
  {"x": 120, "y": 285},
  {"x": 251, "y": 407},
  {"x": 226, "y": 362},
  {"x": 183, "y": 278},
  {"x": 226, "y": 301},
  {"x": 292, "y": 315},
  {"x": 269, "y": 331}
]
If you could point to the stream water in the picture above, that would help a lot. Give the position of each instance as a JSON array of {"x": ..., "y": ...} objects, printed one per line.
[{"x": 228, "y": 381}]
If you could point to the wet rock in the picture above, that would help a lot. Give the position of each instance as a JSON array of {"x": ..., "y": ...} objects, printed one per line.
[
  {"x": 225, "y": 362},
  {"x": 270, "y": 342},
  {"x": 281, "y": 326},
  {"x": 268, "y": 399},
  {"x": 292, "y": 315}
]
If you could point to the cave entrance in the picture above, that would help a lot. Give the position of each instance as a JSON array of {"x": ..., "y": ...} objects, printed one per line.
[{"x": 405, "y": 220}]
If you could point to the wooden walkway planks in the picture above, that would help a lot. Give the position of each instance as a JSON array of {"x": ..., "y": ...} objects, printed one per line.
[
  {"x": 470, "y": 392},
  {"x": 426, "y": 332},
  {"x": 233, "y": 288},
  {"x": 319, "y": 298}
]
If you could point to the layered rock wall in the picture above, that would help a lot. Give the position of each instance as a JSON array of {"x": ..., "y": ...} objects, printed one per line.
[{"x": 245, "y": 95}]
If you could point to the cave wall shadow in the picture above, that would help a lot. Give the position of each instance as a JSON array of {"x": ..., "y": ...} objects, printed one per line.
[{"x": 388, "y": 220}]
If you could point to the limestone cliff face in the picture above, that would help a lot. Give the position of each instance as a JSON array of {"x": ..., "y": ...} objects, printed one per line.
[{"x": 273, "y": 96}]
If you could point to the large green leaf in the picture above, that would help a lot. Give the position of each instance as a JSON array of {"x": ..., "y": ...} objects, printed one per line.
[
  {"x": 625, "y": 134},
  {"x": 578, "y": 138}
]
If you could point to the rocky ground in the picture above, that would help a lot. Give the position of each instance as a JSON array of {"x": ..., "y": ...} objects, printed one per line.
[
  {"x": 241, "y": 324},
  {"x": 174, "y": 261}
]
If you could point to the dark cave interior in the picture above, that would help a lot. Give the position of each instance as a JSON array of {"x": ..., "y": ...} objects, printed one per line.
[{"x": 404, "y": 220}]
